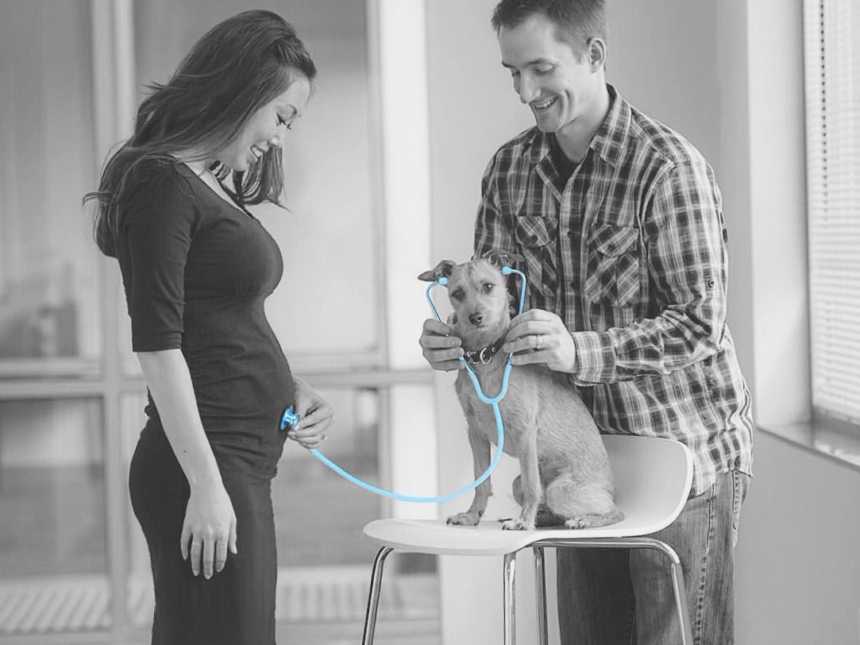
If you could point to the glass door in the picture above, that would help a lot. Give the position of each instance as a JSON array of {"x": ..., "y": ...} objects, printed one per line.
[
  {"x": 49, "y": 313},
  {"x": 54, "y": 563},
  {"x": 73, "y": 564}
]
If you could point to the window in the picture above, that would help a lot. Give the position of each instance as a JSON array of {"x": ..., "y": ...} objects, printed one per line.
[
  {"x": 832, "y": 60},
  {"x": 49, "y": 323},
  {"x": 73, "y": 563},
  {"x": 53, "y": 537}
]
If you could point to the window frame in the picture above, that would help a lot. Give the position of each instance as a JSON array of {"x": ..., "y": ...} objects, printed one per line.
[
  {"x": 820, "y": 166},
  {"x": 107, "y": 379}
]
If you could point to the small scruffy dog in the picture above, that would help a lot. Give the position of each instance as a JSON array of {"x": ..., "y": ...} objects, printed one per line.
[{"x": 564, "y": 471}]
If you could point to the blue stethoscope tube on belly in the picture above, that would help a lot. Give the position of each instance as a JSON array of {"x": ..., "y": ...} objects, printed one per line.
[{"x": 290, "y": 418}]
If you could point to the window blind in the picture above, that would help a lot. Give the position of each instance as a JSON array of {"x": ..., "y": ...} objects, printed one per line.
[{"x": 832, "y": 77}]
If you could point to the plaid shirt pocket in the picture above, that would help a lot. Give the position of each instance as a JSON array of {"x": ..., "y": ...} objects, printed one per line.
[
  {"x": 535, "y": 237},
  {"x": 613, "y": 265}
]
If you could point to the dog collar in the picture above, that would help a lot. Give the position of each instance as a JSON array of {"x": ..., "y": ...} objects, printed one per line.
[{"x": 485, "y": 354}]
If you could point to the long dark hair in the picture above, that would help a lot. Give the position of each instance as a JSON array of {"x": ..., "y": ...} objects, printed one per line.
[{"x": 237, "y": 67}]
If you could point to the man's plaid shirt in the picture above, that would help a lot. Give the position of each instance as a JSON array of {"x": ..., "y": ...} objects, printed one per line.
[{"x": 630, "y": 252}]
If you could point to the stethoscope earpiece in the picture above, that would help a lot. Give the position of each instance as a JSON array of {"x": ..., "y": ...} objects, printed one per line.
[{"x": 506, "y": 270}]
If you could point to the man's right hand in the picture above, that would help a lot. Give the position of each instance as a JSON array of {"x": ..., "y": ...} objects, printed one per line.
[{"x": 440, "y": 347}]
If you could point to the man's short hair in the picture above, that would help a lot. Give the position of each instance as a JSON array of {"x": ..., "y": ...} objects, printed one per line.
[{"x": 577, "y": 20}]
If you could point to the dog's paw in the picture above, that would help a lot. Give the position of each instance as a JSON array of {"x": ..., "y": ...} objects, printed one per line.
[
  {"x": 586, "y": 521},
  {"x": 464, "y": 519},
  {"x": 592, "y": 520},
  {"x": 517, "y": 524}
]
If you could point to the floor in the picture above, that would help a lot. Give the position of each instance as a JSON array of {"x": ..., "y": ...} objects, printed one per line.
[
  {"x": 315, "y": 606},
  {"x": 396, "y": 632},
  {"x": 53, "y": 564},
  {"x": 408, "y": 615}
]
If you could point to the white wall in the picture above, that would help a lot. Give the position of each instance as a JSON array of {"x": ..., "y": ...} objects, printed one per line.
[
  {"x": 798, "y": 566},
  {"x": 403, "y": 98},
  {"x": 727, "y": 74},
  {"x": 797, "y": 574},
  {"x": 473, "y": 110},
  {"x": 778, "y": 224}
]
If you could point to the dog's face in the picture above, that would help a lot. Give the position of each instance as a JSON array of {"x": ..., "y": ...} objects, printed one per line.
[{"x": 477, "y": 290}]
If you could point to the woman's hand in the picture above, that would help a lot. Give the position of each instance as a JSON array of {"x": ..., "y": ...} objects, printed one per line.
[
  {"x": 210, "y": 527},
  {"x": 316, "y": 416}
]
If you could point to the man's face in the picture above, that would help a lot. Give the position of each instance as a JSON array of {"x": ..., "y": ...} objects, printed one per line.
[{"x": 548, "y": 75}]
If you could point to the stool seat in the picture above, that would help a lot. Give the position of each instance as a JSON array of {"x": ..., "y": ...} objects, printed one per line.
[
  {"x": 487, "y": 538},
  {"x": 652, "y": 483}
]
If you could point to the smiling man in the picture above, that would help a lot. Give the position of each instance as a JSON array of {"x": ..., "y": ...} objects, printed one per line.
[{"x": 619, "y": 221}]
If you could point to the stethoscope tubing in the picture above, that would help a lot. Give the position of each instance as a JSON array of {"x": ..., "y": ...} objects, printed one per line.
[{"x": 289, "y": 418}]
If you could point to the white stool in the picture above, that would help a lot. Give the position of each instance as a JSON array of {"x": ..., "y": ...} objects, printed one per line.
[{"x": 652, "y": 483}]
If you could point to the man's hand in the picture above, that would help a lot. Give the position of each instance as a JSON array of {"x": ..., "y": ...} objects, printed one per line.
[
  {"x": 539, "y": 336},
  {"x": 440, "y": 347}
]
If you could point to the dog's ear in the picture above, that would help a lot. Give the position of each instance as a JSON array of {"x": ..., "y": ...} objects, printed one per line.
[
  {"x": 500, "y": 258},
  {"x": 443, "y": 269}
]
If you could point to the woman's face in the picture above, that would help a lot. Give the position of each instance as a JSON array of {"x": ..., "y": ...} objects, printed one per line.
[{"x": 267, "y": 127}]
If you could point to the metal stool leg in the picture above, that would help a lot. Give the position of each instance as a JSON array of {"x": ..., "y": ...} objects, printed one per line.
[
  {"x": 540, "y": 585},
  {"x": 509, "y": 599},
  {"x": 677, "y": 573},
  {"x": 681, "y": 603},
  {"x": 373, "y": 595},
  {"x": 642, "y": 543}
]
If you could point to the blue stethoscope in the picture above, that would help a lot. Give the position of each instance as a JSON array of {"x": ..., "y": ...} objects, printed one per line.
[{"x": 290, "y": 418}]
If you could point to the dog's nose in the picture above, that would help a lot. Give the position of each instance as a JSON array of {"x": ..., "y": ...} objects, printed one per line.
[{"x": 476, "y": 318}]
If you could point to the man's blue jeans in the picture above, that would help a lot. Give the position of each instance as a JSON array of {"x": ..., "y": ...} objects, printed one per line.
[{"x": 609, "y": 597}]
